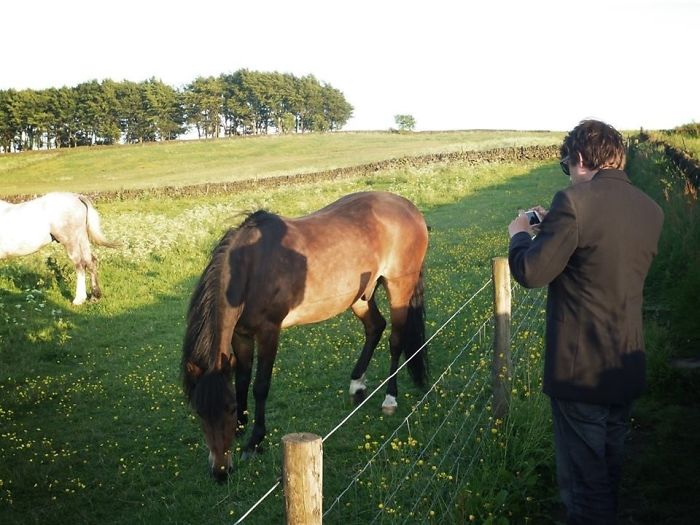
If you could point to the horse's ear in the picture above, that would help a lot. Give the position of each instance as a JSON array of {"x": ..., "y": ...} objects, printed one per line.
[
  {"x": 193, "y": 370},
  {"x": 228, "y": 362}
]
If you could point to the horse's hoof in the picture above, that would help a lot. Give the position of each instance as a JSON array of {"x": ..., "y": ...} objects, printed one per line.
[
  {"x": 251, "y": 453},
  {"x": 359, "y": 396},
  {"x": 389, "y": 405}
]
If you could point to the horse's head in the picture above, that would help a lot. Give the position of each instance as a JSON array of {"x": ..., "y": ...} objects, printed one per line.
[{"x": 213, "y": 398}]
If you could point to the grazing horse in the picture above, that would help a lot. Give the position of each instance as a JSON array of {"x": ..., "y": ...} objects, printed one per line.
[
  {"x": 67, "y": 218},
  {"x": 272, "y": 273}
]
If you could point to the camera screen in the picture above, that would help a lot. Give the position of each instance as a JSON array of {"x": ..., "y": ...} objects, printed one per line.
[{"x": 534, "y": 219}]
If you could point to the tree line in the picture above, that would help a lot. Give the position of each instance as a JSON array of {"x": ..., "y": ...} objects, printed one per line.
[{"x": 108, "y": 112}]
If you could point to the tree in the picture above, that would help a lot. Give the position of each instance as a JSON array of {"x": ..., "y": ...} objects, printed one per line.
[
  {"x": 257, "y": 98},
  {"x": 164, "y": 110},
  {"x": 96, "y": 113},
  {"x": 10, "y": 114},
  {"x": 311, "y": 104},
  {"x": 108, "y": 130},
  {"x": 405, "y": 122},
  {"x": 336, "y": 109},
  {"x": 29, "y": 118},
  {"x": 237, "y": 113},
  {"x": 204, "y": 105},
  {"x": 132, "y": 116},
  {"x": 62, "y": 106},
  {"x": 59, "y": 108},
  {"x": 108, "y": 112}
]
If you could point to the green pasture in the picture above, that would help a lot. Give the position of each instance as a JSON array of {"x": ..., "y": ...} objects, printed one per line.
[
  {"x": 685, "y": 138},
  {"x": 691, "y": 145},
  {"x": 180, "y": 163},
  {"x": 93, "y": 427}
]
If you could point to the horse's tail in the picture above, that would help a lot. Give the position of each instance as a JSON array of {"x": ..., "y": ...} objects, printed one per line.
[
  {"x": 202, "y": 341},
  {"x": 414, "y": 336},
  {"x": 93, "y": 225}
]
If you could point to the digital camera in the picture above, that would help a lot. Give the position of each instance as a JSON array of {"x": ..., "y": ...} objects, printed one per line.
[{"x": 534, "y": 217}]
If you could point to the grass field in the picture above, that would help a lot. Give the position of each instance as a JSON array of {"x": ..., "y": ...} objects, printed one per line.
[
  {"x": 112, "y": 168},
  {"x": 691, "y": 145},
  {"x": 94, "y": 428},
  {"x": 685, "y": 138}
]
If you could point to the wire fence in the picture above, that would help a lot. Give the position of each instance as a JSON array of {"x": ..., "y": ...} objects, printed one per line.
[{"x": 421, "y": 470}]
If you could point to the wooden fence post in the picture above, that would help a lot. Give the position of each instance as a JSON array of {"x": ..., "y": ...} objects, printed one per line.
[
  {"x": 302, "y": 477},
  {"x": 501, "y": 365}
]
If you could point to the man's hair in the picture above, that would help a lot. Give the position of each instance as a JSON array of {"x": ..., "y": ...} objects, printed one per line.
[{"x": 600, "y": 145}]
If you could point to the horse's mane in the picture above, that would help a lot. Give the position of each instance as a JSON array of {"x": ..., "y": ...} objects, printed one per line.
[
  {"x": 201, "y": 335},
  {"x": 257, "y": 218}
]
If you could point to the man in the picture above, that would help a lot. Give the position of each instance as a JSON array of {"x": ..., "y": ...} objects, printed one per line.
[{"x": 593, "y": 248}]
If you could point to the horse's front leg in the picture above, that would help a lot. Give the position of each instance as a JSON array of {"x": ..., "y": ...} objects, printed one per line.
[
  {"x": 243, "y": 349},
  {"x": 267, "y": 339}
]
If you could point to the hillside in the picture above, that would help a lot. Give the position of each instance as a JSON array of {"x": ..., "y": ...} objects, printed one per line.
[{"x": 182, "y": 163}]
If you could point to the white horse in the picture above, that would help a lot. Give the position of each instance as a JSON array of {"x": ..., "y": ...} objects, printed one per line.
[{"x": 67, "y": 218}]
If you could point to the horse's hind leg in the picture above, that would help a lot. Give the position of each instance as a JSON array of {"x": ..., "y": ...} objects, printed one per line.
[
  {"x": 89, "y": 262},
  {"x": 77, "y": 245},
  {"x": 399, "y": 293},
  {"x": 94, "y": 281},
  {"x": 374, "y": 323},
  {"x": 80, "y": 291},
  {"x": 75, "y": 253}
]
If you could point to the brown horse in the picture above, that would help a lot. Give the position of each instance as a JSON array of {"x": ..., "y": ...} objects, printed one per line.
[
  {"x": 272, "y": 273},
  {"x": 68, "y": 218}
]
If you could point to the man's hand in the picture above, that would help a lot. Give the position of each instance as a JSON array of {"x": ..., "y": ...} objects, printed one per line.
[
  {"x": 520, "y": 224},
  {"x": 539, "y": 209}
]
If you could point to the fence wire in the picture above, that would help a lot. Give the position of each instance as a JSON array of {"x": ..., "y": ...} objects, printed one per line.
[
  {"x": 449, "y": 320},
  {"x": 422, "y": 471},
  {"x": 394, "y": 441}
]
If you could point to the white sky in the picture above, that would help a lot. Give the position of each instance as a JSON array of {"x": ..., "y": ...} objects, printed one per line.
[{"x": 452, "y": 64}]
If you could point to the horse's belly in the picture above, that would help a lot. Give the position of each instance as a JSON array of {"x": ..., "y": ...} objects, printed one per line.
[
  {"x": 16, "y": 240},
  {"x": 332, "y": 286},
  {"x": 316, "y": 311}
]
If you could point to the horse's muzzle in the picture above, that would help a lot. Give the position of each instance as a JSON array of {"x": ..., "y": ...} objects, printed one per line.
[
  {"x": 222, "y": 468},
  {"x": 221, "y": 473}
]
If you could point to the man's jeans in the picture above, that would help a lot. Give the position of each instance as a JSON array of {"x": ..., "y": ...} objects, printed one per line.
[{"x": 589, "y": 441}]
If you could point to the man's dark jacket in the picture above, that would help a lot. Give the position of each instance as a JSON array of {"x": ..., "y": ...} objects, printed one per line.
[{"x": 594, "y": 249}]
